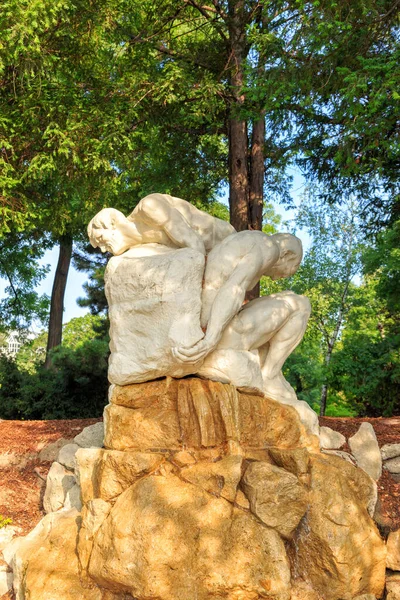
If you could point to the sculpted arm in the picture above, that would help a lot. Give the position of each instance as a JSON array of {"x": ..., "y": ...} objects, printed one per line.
[
  {"x": 155, "y": 210},
  {"x": 226, "y": 305}
]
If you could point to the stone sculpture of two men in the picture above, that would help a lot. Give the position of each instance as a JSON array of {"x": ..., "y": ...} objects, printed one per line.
[{"x": 245, "y": 345}]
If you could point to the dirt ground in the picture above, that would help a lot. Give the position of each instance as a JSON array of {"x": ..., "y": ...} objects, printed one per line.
[
  {"x": 23, "y": 472},
  {"x": 387, "y": 432}
]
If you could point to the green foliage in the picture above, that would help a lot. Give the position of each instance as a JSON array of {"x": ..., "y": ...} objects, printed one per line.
[
  {"x": 340, "y": 407},
  {"x": 11, "y": 382},
  {"x": 326, "y": 278},
  {"x": 367, "y": 364},
  {"x": 76, "y": 332},
  {"x": 383, "y": 258},
  {"x": 75, "y": 386},
  {"x": 4, "y": 521},
  {"x": 19, "y": 253},
  {"x": 330, "y": 96}
]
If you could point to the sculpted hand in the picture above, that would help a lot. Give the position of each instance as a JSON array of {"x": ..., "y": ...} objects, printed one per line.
[{"x": 194, "y": 353}]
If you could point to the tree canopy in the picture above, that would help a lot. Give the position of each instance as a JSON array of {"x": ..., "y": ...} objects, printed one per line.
[{"x": 103, "y": 102}]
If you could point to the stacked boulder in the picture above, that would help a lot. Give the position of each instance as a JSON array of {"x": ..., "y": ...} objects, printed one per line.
[
  {"x": 391, "y": 459},
  {"x": 391, "y": 462},
  {"x": 203, "y": 491},
  {"x": 62, "y": 487}
]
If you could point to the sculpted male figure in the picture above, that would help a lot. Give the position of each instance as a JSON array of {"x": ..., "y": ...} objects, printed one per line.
[
  {"x": 246, "y": 345},
  {"x": 267, "y": 328},
  {"x": 161, "y": 219}
]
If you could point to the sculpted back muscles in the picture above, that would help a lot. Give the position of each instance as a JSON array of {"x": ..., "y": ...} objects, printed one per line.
[{"x": 158, "y": 218}]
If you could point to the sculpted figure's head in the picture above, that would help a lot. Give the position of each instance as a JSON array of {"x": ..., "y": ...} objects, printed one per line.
[
  {"x": 290, "y": 255},
  {"x": 106, "y": 231}
]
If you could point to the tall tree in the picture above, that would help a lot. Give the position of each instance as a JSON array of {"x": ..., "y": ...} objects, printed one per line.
[{"x": 333, "y": 261}]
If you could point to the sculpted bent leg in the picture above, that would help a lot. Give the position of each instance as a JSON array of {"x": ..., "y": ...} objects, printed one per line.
[{"x": 273, "y": 325}]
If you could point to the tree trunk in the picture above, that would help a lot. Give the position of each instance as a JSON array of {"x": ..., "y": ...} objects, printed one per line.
[
  {"x": 256, "y": 192},
  {"x": 238, "y": 175},
  {"x": 257, "y": 168},
  {"x": 332, "y": 341},
  {"x": 324, "y": 389},
  {"x": 237, "y": 127},
  {"x": 324, "y": 396},
  {"x": 57, "y": 297}
]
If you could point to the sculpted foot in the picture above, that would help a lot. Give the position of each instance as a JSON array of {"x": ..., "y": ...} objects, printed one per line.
[{"x": 279, "y": 389}]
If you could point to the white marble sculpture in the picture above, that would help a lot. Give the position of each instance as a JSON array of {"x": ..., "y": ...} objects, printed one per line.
[{"x": 172, "y": 314}]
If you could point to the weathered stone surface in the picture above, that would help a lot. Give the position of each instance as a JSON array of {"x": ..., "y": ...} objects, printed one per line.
[
  {"x": 393, "y": 585},
  {"x": 276, "y": 496},
  {"x": 390, "y": 451},
  {"x": 365, "y": 597},
  {"x": 241, "y": 500},
  {"x": 45, "y": 563},
  {"x": 87, "y": 470},
  {"x": 303, "y": 591},
  {"x": 159, "y": 393},
  {"x": 141, "y": 429},
  {"x": 364, "y": 447},
  {"x": 393, "y": 551},
  {"x": 295, "y": 461},
  {"x": 119, "y": 470},
  {"x": 93, "y": 515},
  {"x": 184, "y": 458},
  {"x": 91, "y": 437},
  {"x": 66, "y": 456},
  {"x": 393, "y": 465},
  {"x": 154, "y": 305},
  {"x": 220, "y": 478},
  {"x": 59, "y": 481},
  {"x": 6, "y": 579},
  {"x": 345, "y": 455},
  {"x": 183, "y": 543},
  {"x": 73, "y": 498},
  {"x": 330, "y": 439},
  {"x": 337, "y": 546},
  {"x": 107, "y": 473},
  {"x": 7, "y": 533},
  {"x": 194, "y": 413},
  {"x": 307, "y": 415},
  {"x": 361, "y": 483},
  {"x": 50, "y": 452}
]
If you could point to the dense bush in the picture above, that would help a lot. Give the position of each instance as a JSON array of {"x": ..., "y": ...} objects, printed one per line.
[{"x": 74, "y": 387}]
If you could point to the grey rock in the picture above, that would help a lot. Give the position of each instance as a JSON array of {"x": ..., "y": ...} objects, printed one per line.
[
  {"x": 393, "y": 585},
  {"x": 73, "y": 498},
  {"x": 50, "y": 453},
  {"x": 59, "y": 481},
  {"x": 390, "y": 451},
  {"x": 330, "y": 439},
  {"x": 365, "y": 449},
  {"x": 393, "y": 465},
  {"x": 66, "y": 456},
  {"x": 91, "y": 437}
]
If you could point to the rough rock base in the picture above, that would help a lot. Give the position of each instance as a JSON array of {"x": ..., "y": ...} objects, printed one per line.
[{"x": 204, "y": 492}]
